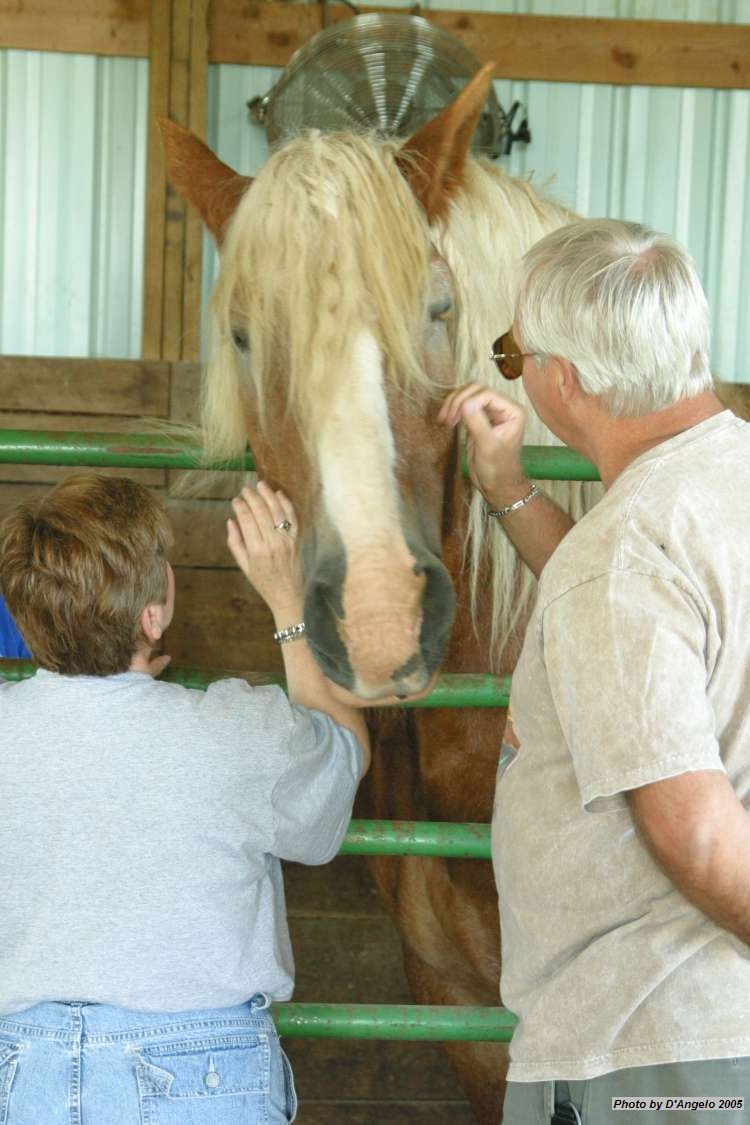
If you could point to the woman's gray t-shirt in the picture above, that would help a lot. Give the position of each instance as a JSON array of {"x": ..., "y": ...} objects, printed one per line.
[{"x": 141, "y": 832}]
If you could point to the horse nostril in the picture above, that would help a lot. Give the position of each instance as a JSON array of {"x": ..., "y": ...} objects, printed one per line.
[{"x": 438, "y": 608}]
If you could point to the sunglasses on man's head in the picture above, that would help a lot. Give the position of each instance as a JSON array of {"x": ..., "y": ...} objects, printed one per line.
[{"x": 507, "y": 357}]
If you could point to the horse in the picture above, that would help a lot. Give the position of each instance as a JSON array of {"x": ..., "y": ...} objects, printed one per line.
[{"x": 360, "y": 280}]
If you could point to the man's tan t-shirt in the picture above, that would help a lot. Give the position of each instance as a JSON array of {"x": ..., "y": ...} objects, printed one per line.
[{"x": 635, "y": 667}]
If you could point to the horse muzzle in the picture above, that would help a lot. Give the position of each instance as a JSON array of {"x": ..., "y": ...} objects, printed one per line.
[{"x": 379, "y": 628}]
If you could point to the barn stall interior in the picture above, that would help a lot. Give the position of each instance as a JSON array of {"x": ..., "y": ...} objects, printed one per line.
[{"x": 105, "y": 276}]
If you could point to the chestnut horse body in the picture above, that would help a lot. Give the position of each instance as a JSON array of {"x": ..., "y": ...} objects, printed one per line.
[{"x": 359, "y": 282}]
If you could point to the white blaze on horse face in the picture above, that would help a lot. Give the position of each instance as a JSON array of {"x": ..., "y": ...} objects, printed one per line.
[{"x": 381, "y": 596}]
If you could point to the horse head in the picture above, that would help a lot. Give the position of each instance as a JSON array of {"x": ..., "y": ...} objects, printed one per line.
[{"x": 332, "y": 353}]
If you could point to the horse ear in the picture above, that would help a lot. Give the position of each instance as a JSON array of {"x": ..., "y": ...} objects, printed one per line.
[
  {"x": 212, "y": 187},
  {"x": 434, "y": 156}
]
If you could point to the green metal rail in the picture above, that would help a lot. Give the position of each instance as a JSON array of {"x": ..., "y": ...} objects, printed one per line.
[
  {"x": 451, "y": 690},
  {"x": 441, "y": 1023},
  {"x": 161, "y": 451},
  {"x": 417, "y": 837}
]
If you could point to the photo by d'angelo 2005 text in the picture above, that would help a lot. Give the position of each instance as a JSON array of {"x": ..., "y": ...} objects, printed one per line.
[{"x": 720, "y": 1105}]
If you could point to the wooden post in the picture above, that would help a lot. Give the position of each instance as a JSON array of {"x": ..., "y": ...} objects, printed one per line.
[{"x": 178, "y": 89}]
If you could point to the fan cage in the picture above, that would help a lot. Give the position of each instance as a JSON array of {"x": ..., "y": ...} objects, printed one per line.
[{"x": 378, "y": 72}]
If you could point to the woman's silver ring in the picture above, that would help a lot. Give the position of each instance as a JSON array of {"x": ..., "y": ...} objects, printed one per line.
[{"x": 283, "y": 526}]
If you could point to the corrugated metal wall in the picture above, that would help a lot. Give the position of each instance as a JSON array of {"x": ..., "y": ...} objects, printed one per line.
[
  {"x": 72, "y": 183},
  {"x": 72, "y": 146}
]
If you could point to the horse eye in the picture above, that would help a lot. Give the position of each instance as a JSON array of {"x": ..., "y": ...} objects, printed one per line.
[
  {"x": 441, "y": 310},
  {"x": 240, "y": 339}
]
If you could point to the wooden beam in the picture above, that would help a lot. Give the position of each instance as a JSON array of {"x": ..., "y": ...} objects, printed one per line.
[
  {"x": 178, "y": 89},
  {"x": 158, "y": 106},
  {"x": 91, "y": 27},
  {"x": 172, "y": 327},
  {"x": 608, "y": 51},
  {"x": 197, "y": 121},
  {"x": 547, "y": 48},
  {"x": 85, "y": 386}
]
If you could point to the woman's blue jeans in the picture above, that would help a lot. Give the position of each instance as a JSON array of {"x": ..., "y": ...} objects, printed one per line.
[{"x": 89, "y": 1064}]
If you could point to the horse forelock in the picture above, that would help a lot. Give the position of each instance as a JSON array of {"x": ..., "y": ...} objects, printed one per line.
[
  {"x": 494, "y": 219},
  {"x": 328, "y": 241}
]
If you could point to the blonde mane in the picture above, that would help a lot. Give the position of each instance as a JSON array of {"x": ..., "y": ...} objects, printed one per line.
[
  {"x": 494, "y": 220},
  {"x": 327, "y": 212}
]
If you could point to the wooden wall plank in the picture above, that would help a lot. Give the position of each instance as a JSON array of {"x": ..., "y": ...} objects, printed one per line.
[
  {"x": 50, "y": 474},
  {"x": 357, "y": 977},
  {"x": 200, "y": 533},
  {"x": 382, "y": 1113},
  {"x": 371, "y": 1072},
  {"x": 548, "y": 48},
  {"x": 96, "y": 386},
  {"x": 95, "y": 27},
  {"x": 269, "y": 33},
  {"x": 611, "y": 51},
  {"x": 185, "y": 392},
  {"x": 220, "y": 622},
  {"x": 312, "y": 893}
]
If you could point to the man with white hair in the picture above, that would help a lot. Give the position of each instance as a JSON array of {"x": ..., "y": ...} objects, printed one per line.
[{"x": 621, "y": 836}]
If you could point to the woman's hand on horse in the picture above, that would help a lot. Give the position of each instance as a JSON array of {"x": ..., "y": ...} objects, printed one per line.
[
  {"x": 495, "y": 426},
  {"x": 263, "y": 540}
]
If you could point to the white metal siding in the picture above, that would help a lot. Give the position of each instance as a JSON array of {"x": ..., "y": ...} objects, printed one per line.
[{"x": 72, "y": 183}]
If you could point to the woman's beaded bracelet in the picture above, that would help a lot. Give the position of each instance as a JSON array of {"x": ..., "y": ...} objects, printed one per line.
[{"x": 291, "y": 633}]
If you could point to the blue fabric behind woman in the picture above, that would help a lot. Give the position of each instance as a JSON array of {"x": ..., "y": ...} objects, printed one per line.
[{"x": 11, "y": 642}]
